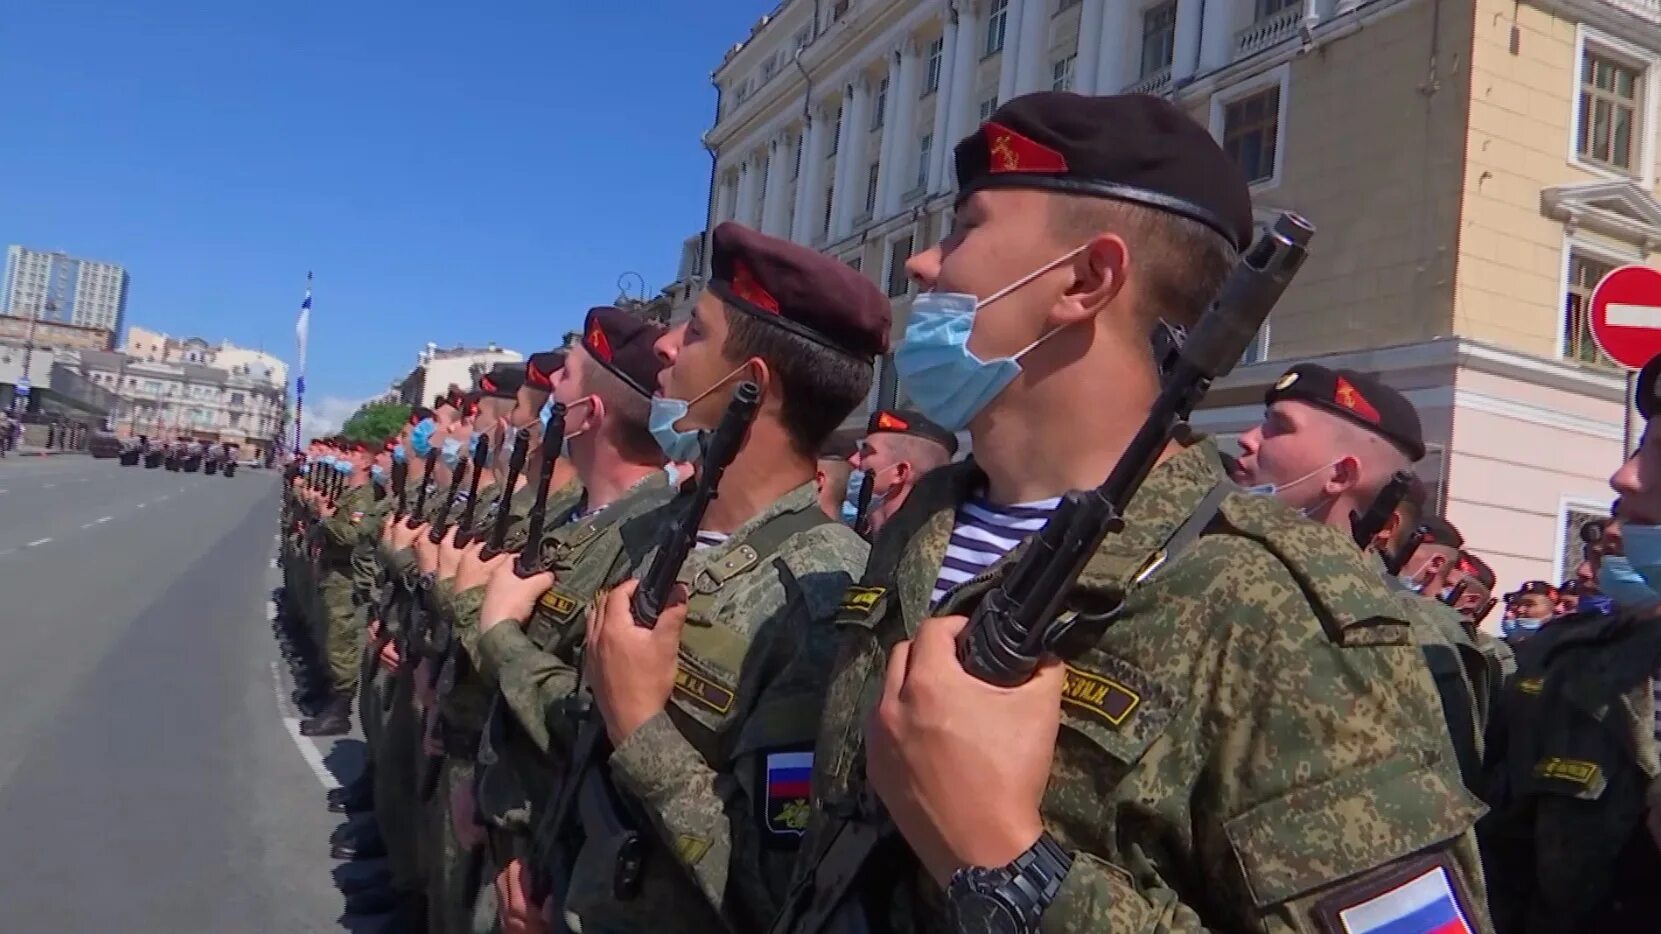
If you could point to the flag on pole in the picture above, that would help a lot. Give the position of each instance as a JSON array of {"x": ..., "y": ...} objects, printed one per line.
[{"x": 302, "y": 327}]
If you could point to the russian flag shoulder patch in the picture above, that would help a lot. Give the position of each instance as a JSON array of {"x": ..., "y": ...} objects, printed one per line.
[
  {"x": 787, "y": 792},
  {"x": 1419, "y": 896}
]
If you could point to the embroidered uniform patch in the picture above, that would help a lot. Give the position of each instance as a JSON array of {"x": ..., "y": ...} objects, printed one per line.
[
  {"x": 696, "y": 687},
  {"x": 788, "y": 788},
  {"x": 1421, "y": 903},
  {"x": 1578, "y": 771},
  {"x": 861, "y": 599},
  {"x": 1101, "y": 697},
  {"x": 562, "y": 606}
]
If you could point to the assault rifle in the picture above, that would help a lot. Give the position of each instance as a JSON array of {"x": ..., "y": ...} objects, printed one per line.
[
  {"x": 1367, "y": 526},
  {"x": 888, "y": 388},
  {"x": 1021, "y": 620},
  {"x": 441, "y": 525},
  {"x": 585, "y": 786},
  {"x": 529, "y": 560},
  {"x": 464, "y": 524},
  {"x": 420, "y": 514},
  {"x": 499, "y": 526}
]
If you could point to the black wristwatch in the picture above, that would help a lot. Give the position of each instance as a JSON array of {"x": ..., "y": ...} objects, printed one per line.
[{"x": 1010, "y": 899}]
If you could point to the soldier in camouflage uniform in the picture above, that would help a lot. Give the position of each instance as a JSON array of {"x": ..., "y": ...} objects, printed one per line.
[
  {"x": 1253, "y": 742},
  {"x": 606, "y": 387},
  {"x": 346, "y": 527},
  {"x": 711, "y": 709}
]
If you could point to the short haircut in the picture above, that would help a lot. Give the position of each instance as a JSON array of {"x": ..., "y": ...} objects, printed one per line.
[
  {"x": 1180, "y": 263},
  {"x": 922, "y": 453},
  {"x": 627, "y": 412},
  {"x": 819, "y": 386}
]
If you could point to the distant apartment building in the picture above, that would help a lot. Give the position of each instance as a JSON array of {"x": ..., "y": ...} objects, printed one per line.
[
  {"x": 437, "y": 370},
  {"x": 1473, "y": 167},
  {"x": 54, "y": 286},
  {"x": 145, "y": 344},
  {"x": 165, "y": 399}
]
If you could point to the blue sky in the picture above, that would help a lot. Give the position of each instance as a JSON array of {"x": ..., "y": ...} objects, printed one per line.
[{"x": 456, "y": 172}]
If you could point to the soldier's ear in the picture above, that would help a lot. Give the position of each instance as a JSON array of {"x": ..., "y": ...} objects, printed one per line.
[{"x": 762, "y": 375}]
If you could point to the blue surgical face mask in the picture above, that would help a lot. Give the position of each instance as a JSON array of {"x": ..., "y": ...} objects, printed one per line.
[
  {"x": 1622, "y": 583},
  {"x": 343, "y": 466},
  {"x": 305, "y": 469},
  {"x": 1642, "y": 546},
  {"x": 941, "y": 374},
  {"x": 450, "y": 452},
  {"x": 398, "y": 454},
  {"x": 421, "y": 437},
  {"x": 377, "y": 474},
  {"x": 850, "y": 500},
  {"x": 676, "y": 444}
]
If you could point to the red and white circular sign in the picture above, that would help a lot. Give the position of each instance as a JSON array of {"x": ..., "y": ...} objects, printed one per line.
[{"x": 1626, "y": 315}]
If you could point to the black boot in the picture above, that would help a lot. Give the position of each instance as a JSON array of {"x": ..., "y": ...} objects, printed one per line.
[
  {"x": 311, "y": 701},
  {"x": 365, "y": 845},
  {"x": 359, "y": 797},
  {"x": 356, "y": 827},
  {"x": 378, "y": 901},
  {"x": 411, "y": 913},
  {"x": 364, "y": 784},
  {"x": 335, "y": 719},
  {"x": 352, "y": 885}
]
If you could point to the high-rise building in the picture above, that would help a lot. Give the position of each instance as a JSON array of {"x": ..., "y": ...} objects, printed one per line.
[
  {"x": 1473, "y": 167},
  {"x": 54, "y": 286}
]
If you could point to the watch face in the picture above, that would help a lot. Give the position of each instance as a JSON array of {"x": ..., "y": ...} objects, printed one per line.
[{"x": 982, "y": 913}]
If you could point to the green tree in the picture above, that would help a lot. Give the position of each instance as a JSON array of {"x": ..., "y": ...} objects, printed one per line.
[{"x": 375, "y": 421}]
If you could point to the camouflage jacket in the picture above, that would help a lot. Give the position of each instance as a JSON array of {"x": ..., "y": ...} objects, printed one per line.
[
  {"x": 1455, "y": 661},
  {"x": 1253, "y": 744},
  {"x": 535, "y": 667},
  {"x": 365, "y": 562},
  {"x": 748, "y": 691},
  {"x": 464, "y": 706},
  {"x": 342, "y": 530}
]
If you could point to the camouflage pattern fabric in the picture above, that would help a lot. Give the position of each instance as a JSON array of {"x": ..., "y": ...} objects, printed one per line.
[
  {"x": 1255, "y": 733},
  {"x": 750, "y": 684}
]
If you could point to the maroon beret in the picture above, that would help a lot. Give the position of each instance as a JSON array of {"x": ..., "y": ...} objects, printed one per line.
[
  {"x": 1129, "y": 147},
  {"x": 803, "y": 291},
  {"x": 503, "y": 381},
  {"x": 624, "y": 344},
  {"x": 1358, "y": 397},
  {"x": 908, "y": 422},
  {"x": 541, "y": 367}
]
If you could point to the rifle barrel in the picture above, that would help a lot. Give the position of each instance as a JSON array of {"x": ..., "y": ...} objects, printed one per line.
[
  {"x": 530, "y": 557},
  {"x": 516, "y": 466}
]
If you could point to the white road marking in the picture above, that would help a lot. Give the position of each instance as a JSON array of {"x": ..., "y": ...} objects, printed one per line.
[
  {"x": 142, "y": 505},
  {"x": 308, "y": 749},
  {"x": 1633, "y": 316},
  {"x": 104, "y": 520},
  {"x": 38, "y": 541}
]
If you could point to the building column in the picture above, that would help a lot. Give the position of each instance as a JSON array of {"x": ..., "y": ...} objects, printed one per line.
[
  {"x": 1217, "y": 36},
  {"x": 811, "y": 178},
  {"x": 960, "y": 98},
  {"x": 1186, "y": 45},
  {"x": 945, "y": 98},
  {"x": 899, "y": 175},
  {"x": 888, "y": 146},
  {"x": 1034, "y": 65},
  {"x": 1116, "y": 67},
  {"x": 1085, "y": 67},
  {"x": 773, "y": 183},
  {"x": 747, "y": 195},
  {"x": 1009, "y": 64},
  {"x": 853, "y": 119}
]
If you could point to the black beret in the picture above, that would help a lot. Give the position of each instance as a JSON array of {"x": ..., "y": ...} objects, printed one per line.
[
  {"x": 503, "y": 381},
  {"x": 1358, "y": 397},
  {"x": 1646, "y": 395},
  {"x": 541, "y": 367},
  {"x": 1129, "y": 147},
  {"x": 625, "y": 345},
  {"x": 1477, "y": 568},
  {"x": 908, "y": 422},
  {"x": 1435, "y": 530},
  {"x": 803, "y": 291}
]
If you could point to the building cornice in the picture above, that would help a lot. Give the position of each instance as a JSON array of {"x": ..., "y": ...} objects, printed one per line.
[
  {"x": 1637, "y": 21},
  {"x": 1620, "y": 209}
]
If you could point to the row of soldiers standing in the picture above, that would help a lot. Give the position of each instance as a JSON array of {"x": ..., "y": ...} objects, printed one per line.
[{"x": 618, "y": 669}]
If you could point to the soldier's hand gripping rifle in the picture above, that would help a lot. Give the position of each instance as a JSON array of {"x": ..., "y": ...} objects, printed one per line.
[
  {"x": 1365, "y": 527},
  {"x": 400, "y": 480},
  {"x": 1022, "y": 620},
  {"x": 585, "y": 786},
  {"x": 441, "y": 525},
  {"x": 419, "y": 515},
  {"x": 464, "y": 524}
]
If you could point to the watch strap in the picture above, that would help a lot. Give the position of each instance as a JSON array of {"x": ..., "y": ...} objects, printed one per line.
[{"x": 1035, "y": 877}]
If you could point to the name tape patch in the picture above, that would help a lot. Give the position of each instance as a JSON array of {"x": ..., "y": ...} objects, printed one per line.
[
  {"x": 861, "y": 599},
  {"x": 699, "y": 689},
  {"x": 561, "y": 605},
  {"x": 1530, "y": 685},
  {"x": 1099, "y": 696},
  {"x": 1578, "y": 771}
]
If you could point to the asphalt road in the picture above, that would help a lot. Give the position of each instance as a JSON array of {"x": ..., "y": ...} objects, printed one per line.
[{"x": 150, "y": 776}]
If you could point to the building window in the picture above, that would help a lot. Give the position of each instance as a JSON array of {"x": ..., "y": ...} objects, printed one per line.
[
  {"x": 1061, "y": 74},
  {"x": 1251, "y": 126},
  {"x": 836, "y": 134},
  {"x": 1159, "y": 37},
  {"x": 924, "y": 148},
  {"x": 839, "y": 10},
  {"x": 931, "y": 76},
  {"x": 803, "y": 37},
  {"x": 854, "y": 262},
  {"x": 1585, "y": 273},
  {"x": 899, "y": 250},
  {"x": 872, "y": 176},
  {"x": 1268, "y": 8},
  {"x": 799, "y": 143},
  {"x": 830, "y": 201},
  {"x": 987, "y": 107},
  {"x": 1572, "y": 517},
  {"x": 1610, "y": 96},
  {"x": 882, "y": 104},
  {"x": 996, "y": 22}
]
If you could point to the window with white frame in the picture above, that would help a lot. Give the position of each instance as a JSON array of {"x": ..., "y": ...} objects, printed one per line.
[
  {"x": 1585, "y": 271},
  {"x": 931, "y": 74},
  {"x": 924, "y": 147},
  {"x": 872, "y": 176},
  {"x": 882, "y": 104},
  {"x": 1574, "y": 515},
  {"x": 899, "y": 250},
  {"x": 1610, "y": 117},
  {"x": 1061, "y": 73},
  {"x": 997, "y": 21},
  {"x": 1159, "y": 38},
  {"x": 987, "y": 106},
  {"x": 836, "y": 134},
  {"x": 1249, "y": 121}
]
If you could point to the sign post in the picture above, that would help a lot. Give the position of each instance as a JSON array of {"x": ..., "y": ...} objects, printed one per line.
[{"x": 1626, "y": 323}]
